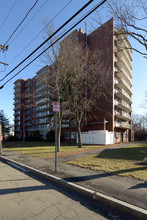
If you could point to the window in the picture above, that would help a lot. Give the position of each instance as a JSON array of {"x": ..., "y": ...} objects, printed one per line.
[
  {"x": 73, "y": 135},
  {"x": 66, "y": 135}
]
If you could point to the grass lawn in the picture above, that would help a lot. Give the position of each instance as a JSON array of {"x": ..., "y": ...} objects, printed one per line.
[
  {"x": 45, "y": 149},
  {"x": 126, "y": 161}
]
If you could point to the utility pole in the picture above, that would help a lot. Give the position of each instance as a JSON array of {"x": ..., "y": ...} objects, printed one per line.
[
  {"x": 1, "y": 138},
  {"x": 85, "y": 74},
  {"x": 3, "y": 63},
  {"x": 3, "y": 48}
]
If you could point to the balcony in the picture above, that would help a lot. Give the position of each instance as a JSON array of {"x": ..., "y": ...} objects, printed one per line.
[
  {"x": 17, "y": 119},
  {"x": 17, "y": 113},
  {"x": 65, "y": 125},
  {"x": 39, "y": 129},
  {"x": 123, "y": 115},
  {"x": 122, "y": 62},
  {"x": 44, "y": 121},
  {"x": 17, "y": 97},
  {"x": 17, "y": 102},
  {"x": 17, "y": 124},
  {"x": 124, "y": 68},
  {"x": 28, "y": 90},
  {"x": 45, "y": 94},
  {"x": 40, "y": 108},
  {"x": 28, "y": 112},
  {"x": 17, "y": 91},
  {"x": 17, "y": 85},
  {"x": 28, "y": 124},
  {"x": 42, "y": 101},
  {"x": 28, "y": 95},
  {"x": 43, "y": 74},
  {"x": 18, "y": 107},
  {"x": 123, "y": 53},
  {"x": 42, "y": 88},
  {"x": 29, "y": 83},
  {"x": 122, "y": 84},
  {"x": 123, "y": 105},
  {"x": 17, "y": 129},
  {"x": 123, "y": 125},
  {"x": 124, "y": 43},
  {"x": 122, "y": 94}
]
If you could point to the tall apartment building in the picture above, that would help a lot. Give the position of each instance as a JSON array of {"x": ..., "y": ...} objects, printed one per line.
[
  {"x": 33, "y": 110},
  {"x": 32, "y": 106},
  {"x": 113, "y": 117}
]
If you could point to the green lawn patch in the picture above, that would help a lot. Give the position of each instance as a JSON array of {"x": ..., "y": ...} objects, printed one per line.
[
  {"x": 45, "y": 149},
  {"x": 126, "y": 161}
]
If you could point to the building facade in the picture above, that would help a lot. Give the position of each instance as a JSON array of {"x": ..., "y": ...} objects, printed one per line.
[
  {"x": 114, "y": 111},
  {"x": 33, "y": 106}
]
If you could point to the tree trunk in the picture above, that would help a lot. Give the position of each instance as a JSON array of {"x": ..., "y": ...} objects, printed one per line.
[{"x": 79, "y": 134}]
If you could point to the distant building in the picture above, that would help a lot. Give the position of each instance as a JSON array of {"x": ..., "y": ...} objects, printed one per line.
[
  {"x": 112, "y": 122},
  {"x": 32, "y": 105},
  {"x": 9, "y": 132}
]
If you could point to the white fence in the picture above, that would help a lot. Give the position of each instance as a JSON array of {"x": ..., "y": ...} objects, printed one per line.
[{"x": 103, "y": 137}]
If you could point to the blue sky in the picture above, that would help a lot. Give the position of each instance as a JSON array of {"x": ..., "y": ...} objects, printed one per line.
[{"x": 47, "y": 12}]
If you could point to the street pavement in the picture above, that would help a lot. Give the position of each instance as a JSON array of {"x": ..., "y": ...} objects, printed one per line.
[{"x": 24, "y": 197}]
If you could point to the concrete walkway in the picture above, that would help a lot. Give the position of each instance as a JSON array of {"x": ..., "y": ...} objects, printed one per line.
[
  {"x": 23, "y": 197},
  {"x": 126, "y": 189}
]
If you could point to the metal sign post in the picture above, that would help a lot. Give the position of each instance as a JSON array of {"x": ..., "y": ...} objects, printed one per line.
[
  {"x": 56, "y": 142},
  {"x": 1, "y": 138},
  {"x": 56, "y": 107}
]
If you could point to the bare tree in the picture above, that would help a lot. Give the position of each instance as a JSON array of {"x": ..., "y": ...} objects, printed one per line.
[
  {"x": 144, "y": 105},
  {"x": 139, "y": 123},
  {"x": 68, "y": 81},
  {"x": 131, "y": 19},
  {"x": 57, "y": 58},
  {"x": 94, "y": 78}
]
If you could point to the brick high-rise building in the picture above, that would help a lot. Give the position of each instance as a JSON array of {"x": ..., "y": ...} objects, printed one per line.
[
  {"x": 32, "y": 107},
  {"x": 113, "y": 117},
  {"x": 112, "y": 120}
]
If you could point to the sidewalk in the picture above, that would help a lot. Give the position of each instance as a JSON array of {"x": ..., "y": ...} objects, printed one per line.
[{"x": 125, "y": 189}]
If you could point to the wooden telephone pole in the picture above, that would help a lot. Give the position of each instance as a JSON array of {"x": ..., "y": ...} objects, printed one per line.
[
  {"x": 3, "y": 48},
  {"x": 1, "y": 138}
]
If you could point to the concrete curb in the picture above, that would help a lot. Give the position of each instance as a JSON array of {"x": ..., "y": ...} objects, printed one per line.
[{"x": 135, "y": 211}]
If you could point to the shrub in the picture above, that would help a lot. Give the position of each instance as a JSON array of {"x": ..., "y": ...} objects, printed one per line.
[
  {"x": 35, "y": 136},
  {"x": 12, "y": 138},
  {"x": 50, "y": 136}
]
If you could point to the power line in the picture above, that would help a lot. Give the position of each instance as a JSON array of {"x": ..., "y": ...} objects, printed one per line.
[
  {"x": 8, "y": 15},
  {"x": 71, "y": 18},
  {"x": 28, "y": 22},
  {"x": 85, "y": 16},
  {"x": 21, "y": 21},
  {"x": 42, "y": 30}
]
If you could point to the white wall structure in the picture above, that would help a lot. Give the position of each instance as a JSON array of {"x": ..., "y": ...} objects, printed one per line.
[{"x": 103, "y": 137}]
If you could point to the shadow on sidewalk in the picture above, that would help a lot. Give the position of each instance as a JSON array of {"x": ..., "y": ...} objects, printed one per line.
[
  {"x": 139, "y": 185},
  {"x": 22, "y": 189},
  {"x": 102, "y": 175}
]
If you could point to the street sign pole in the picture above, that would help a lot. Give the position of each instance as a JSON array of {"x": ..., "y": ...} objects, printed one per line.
[
  {"x": 56, "y": 107},
  {"x": 56, "y": 142},
  {"x": 1, "y": 138}
]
